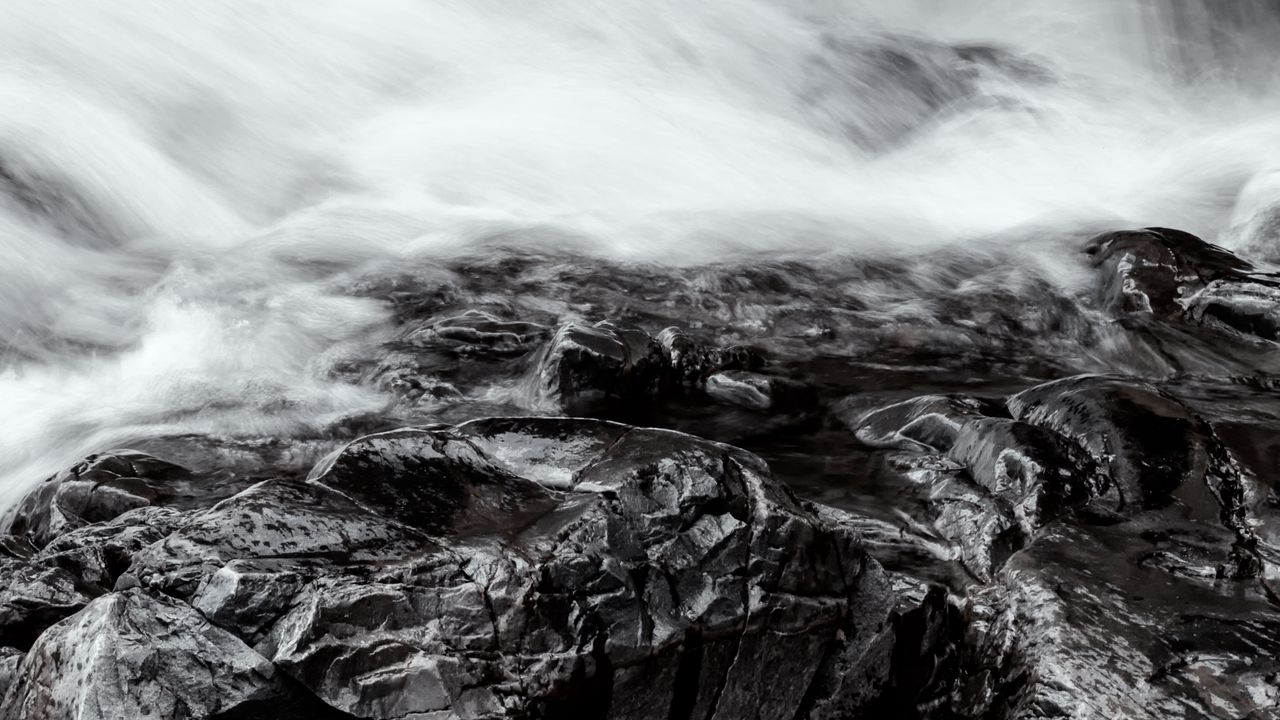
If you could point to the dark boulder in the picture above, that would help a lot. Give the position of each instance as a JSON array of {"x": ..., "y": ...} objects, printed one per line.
[
  {"x": 98, "y": 489},
  {"x": 467, "y": 492},
  {"x": 1149, "y": 442},
  {"x": 509, "y": 567},
  {"x": 586, "y": 364},
  {"x": 97, "y": 554},
  {"x": 274, "y": 526},
  {"x": 1175, "y": 277},
  {"x": 1112, "y": 446},
  {"x": 1076, "y": 626},
  {"x": 137, "y": 655},
  {"x": 986, "y": 483},
  {"x": 33, "y": 594},
  {"x": 690, "y": 362},
  {"x": 44, "y": 585}
]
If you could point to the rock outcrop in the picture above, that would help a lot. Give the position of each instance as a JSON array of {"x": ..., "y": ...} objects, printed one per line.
[
  {"x": 1053, "y": 503},
  {"x": 1098, "y": 516},
  {"x": 500, "y": 568}
]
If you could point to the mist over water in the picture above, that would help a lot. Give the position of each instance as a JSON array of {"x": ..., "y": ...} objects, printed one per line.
[{"x": 188, "y": 191}]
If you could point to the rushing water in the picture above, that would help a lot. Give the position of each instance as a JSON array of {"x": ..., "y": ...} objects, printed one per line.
[{"x": 189, "y": 190}]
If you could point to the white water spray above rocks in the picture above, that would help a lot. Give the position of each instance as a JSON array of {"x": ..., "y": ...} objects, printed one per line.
[{"x": 189, "y": 191}]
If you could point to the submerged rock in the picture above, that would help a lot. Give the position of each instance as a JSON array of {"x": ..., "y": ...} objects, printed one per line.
[{"x": 905, "y": 83}]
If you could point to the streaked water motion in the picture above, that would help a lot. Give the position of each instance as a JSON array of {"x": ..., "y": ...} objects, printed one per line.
[{"x": 194, "y": 195}]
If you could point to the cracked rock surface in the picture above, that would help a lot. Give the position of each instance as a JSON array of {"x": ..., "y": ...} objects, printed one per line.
[
  {"x": 1114, "y": 563},
  {"x": 513, "y": 567},
  {"x": 921, "y": 487}
]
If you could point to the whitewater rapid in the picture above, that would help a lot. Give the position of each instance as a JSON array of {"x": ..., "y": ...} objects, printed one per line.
[{"x": 189, "y": 191}]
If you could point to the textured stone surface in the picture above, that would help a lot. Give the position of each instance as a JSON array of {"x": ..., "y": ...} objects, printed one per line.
[
  {"x": 1113, "y": 545},
  {"x": 1107, "y": 542},
  {"x": 1191, "y": 306},
  {"x": 583, "y": 364},
  {"x": 136, "y": 655},
  {"x": 10, "y": 658},
  {"x": 508, "y": 567},
  {"x": 33, "y": 594},
  {"x": 97, "y": 489}
]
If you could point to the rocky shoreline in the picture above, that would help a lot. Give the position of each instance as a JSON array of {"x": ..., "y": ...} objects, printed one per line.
[{"x": 816, "y": 509}]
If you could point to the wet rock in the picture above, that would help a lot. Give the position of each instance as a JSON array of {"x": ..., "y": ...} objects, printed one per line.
[
  {"x": 33, "y": 594},
  {"x": 1149, "y": 442},
  {"x": 692, "y": 363},
  {"x": 43, "y": 586},
  {"x": 1154, "y": 452},
  {"x": 926, "y": 423},
  {"x": 519, "y": 566},
  {"x": 97, "y": 554},
  {"x": 755, "y": 391},
  {"x": 465, "y": 492},
  {"x": 245, "y": 599},
  {"x": 222, "y": 466},
  {"x": 1025, "y": 466},
  {"x": 988, "y": 483},
  {"x": 1174, "y": 276},
  {"x": 586, "y": 362},
  {"x": 1072, "y": 629},
  {"x": 136, "y": 655},
  {"x": 475, "y": 332},
  {"x": 1113, "y": 542},
  {"x": 10, "y": 658},
  {"x": 1116, "y": 444},
  {"x": 910, "y": 665},
  {"x": 274, "y": 526},
  {"x": 1248, "y": 307},
  {"x": 1149, "y": 270},
  {"x": 552, "y": 454},
  {"x": 97, "y": 489}
]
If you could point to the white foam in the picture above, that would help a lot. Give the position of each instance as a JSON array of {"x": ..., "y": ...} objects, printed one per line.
[{"x": 210, "y": 157}]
